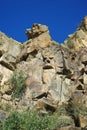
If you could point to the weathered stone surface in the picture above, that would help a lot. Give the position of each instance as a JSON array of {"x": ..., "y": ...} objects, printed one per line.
[
  {"x": 6, "y": 97},
  {"x": 84, "y": 24},
  {"x": 39, "y": 35},
  {"x": 45, "y": 105},
  {"x": 60, "y": 89},
  {"x": 9, "y": 51},
  {"x": 85, "y": 79},
  {"x": 48, "y": 75},
  {"x": 55, "y": 74},
  {"x": 36, "y": 30},
  {"x": 79, "y": 38},
  {"x": 83, "y": 121},
  {"x": 5, "y": 74},
  {"x": 9, "y": 46}
]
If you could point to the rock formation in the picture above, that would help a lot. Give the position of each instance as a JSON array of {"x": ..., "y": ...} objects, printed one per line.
[
  {"x": 55, "y": 74},
  {"x": 78, "y": 39},
  {"x": 39, "y": 35}
]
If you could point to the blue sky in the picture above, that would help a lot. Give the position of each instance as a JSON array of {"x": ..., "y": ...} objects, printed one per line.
[{"x": 61, "y": 16}]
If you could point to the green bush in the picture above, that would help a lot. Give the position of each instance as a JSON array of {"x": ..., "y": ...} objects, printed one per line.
[
  {"x": 13, "y": 122},
  {"x": 1, "y": 125},
  {"x": 18, "y": 84},
  {"x": 33, "y": 121}
]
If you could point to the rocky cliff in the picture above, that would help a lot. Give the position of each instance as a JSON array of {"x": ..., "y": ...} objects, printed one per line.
[{"x": 43, "y": 75}]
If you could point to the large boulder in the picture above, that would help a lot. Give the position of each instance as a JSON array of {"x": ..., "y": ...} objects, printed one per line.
[{"x": 39, "y": 35}]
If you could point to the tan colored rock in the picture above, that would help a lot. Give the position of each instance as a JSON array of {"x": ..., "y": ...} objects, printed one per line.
[
  {"x": 48, "y": 75},
  {"x": 79, "y": 38},
  {"x": 83, "y": 55},
  {"x": 36, "y": 30},
  {"x": 61, "y": 89},
  {"x": 80, "y": 34},
  {"x": 6, "y": 74},
  {"x": 84, "y": 24},
  {"x": 83, "y": 121},
  {"x": 9, "y": 45},
  {"x": 43, "y": 40},
  {"x": 45, "y": 105},
  {"x": 85, "y": 79},
  {"x": 6, "y": 97},
  {"x": 6, "y": 89},
  {"x": 9, "y": 51},
  {"x": 39, "y": 35}
]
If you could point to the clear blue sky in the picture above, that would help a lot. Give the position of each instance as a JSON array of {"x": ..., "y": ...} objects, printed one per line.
[{"x": 61, "y": 16}]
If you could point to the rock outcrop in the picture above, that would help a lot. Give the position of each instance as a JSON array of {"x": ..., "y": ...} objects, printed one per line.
[
  {"x": 39, "y": 35},
  {"x": 78, "y": 39},
  {"x": 55, "y": 74}
]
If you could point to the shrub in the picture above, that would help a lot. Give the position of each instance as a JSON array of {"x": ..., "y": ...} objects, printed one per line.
[
  {"x": 13, "y": 122},
  {"x": 1, "y": 125},
  {"x": 18, "y": 84},
  {"x": 33, "y": 121}
]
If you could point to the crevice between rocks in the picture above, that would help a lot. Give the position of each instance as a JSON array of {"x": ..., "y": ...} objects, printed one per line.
[{"x": 8, "y": 66}]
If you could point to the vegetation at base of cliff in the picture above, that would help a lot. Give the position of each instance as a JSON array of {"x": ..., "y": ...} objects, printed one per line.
[
  {"x": 30, "y": 120},
  {"x": 17, "y": 81},
  {"x": 33, "y": 121}
]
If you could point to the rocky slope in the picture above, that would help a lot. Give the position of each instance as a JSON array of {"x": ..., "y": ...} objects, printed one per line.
[{"x": 53, "y": 75}]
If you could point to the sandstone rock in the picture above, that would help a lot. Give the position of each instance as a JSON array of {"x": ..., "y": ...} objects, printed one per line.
[
  {"x": 6, "y": 97},
  {"x": 45, "y": 105},
  {"x": 84, "y": 24},
  {"x": 83, "y": 121},
  {"x": 85, "y": 79},
  {"x": 80, "y": 34},
  {"x": 48, "y": 75},
  {"x": 33, "y": 66},
  {"x": 83, "y": 56},
  {"x": 79, "y": 38},
  {"x": 36, "y": 30},
  {"x": 9, "y": 51},
  {"x": 39, "y": 35},
  {"x": 5, "y": 61},
  {"x": 6, "y": 74},
  {"x": 56, "y": 74},
  {"x": 35, "y": 88},
  {"x": 9, "y": 47},
  {"x": 60, "y": 89}
]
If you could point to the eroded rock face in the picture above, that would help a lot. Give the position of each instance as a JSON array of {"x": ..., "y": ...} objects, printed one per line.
[
  {"x": 55, "y": 74},
  {"x": 78, "y": 39},
  {"x": 9, "y": 51}
]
